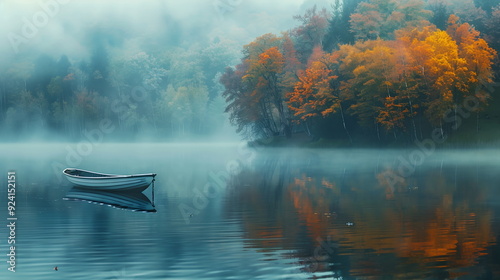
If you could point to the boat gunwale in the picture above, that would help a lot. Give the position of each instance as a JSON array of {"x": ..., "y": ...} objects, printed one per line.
[{"x": 104, "y": 175}]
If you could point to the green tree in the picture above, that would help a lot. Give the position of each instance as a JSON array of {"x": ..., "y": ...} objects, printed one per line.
[
  {"x": 440, "y": 14},
  {"x": 339, "y": 31}
]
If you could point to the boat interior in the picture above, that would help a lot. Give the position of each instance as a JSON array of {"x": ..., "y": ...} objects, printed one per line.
[{"x": 83, "y": 173}]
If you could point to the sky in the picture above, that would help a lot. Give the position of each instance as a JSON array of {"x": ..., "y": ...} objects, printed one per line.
[{"x": 57, "y": 27}]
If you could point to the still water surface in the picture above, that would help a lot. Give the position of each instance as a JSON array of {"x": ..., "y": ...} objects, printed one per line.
[{"x": 224, "y": 212}]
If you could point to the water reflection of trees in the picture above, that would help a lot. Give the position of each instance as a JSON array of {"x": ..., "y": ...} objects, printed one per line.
[{"x": 432, "y": 224}]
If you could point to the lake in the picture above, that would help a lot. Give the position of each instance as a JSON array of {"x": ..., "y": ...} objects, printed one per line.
[{"x": 224, "y": 211}]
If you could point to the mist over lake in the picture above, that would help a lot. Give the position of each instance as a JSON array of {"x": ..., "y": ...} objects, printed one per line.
[{"x": 280, "y": 214}]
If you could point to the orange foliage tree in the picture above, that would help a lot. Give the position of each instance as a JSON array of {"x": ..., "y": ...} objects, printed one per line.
[
  {"x": 478, "y": 56},
  {"x": 451, "y": 65},
  {"x": 389, "y": 82},
  {"x": 376, "y": 85},
  {"x": 400, "y": 70},
  {"x": 264, "y": 77},
  {"x": 267, "y": 72},
  {"x": 314, "y": 94}
]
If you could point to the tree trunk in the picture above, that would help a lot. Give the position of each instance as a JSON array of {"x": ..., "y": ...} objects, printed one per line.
[
  {"x": 307, "y": 129},
  {"x": 343, "y": 123},
  {"x": 477, "y": 127},
  {"x": 441, "y": 128},
  {"x": 411, "y": 111}
]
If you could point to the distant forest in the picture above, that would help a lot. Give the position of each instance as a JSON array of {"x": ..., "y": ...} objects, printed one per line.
[
  {"x": 368, "y": 71},
  {"x": 164, "y": 93},
  {"x": 381, "y": 70}
]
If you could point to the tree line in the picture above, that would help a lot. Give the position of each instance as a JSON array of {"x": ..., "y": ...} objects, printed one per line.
[
  {"x": 161, "y": 93},
  {"x": 380, "y": 70}
]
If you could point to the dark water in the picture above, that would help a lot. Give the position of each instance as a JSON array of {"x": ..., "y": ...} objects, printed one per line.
[{"x": 224, "y": 212}]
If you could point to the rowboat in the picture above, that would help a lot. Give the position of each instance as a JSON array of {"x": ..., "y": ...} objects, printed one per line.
[
  {"x": 108, "y": 182},
  {"x": 134, "y": 201}
]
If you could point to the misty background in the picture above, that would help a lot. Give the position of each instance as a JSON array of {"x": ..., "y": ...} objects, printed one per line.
[{"x": 66, "y": 65}]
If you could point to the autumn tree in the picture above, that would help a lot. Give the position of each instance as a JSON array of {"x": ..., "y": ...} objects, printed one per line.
[
  {"x": 469, "y": 12},
  {"x": 368, "y": 77},
  {"x": 256, "y": 89},
  {"x": 451, "y": 66},
  {"x": 317, "y": 93},
  {"x": 478, "y": 56},
  {"x": 292, "y": 66},
  {"x": 313, "y": 93},
  {"x": 401, "y": 72},
  {"x": 311, "y": 32},
  {"x": 444, "y": 70},
  {"x": 260, "y": 45},
  {"x": 376, "y": 19},
  {"x": 292, "y": 63},
  {"x": 263, "y": 76}
]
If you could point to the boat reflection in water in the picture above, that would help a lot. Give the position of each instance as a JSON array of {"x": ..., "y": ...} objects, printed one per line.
[{"x": 134, "y": 201}]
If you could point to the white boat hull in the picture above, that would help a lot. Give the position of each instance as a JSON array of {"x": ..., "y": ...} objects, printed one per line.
[{"x": 108, "y": 182}]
